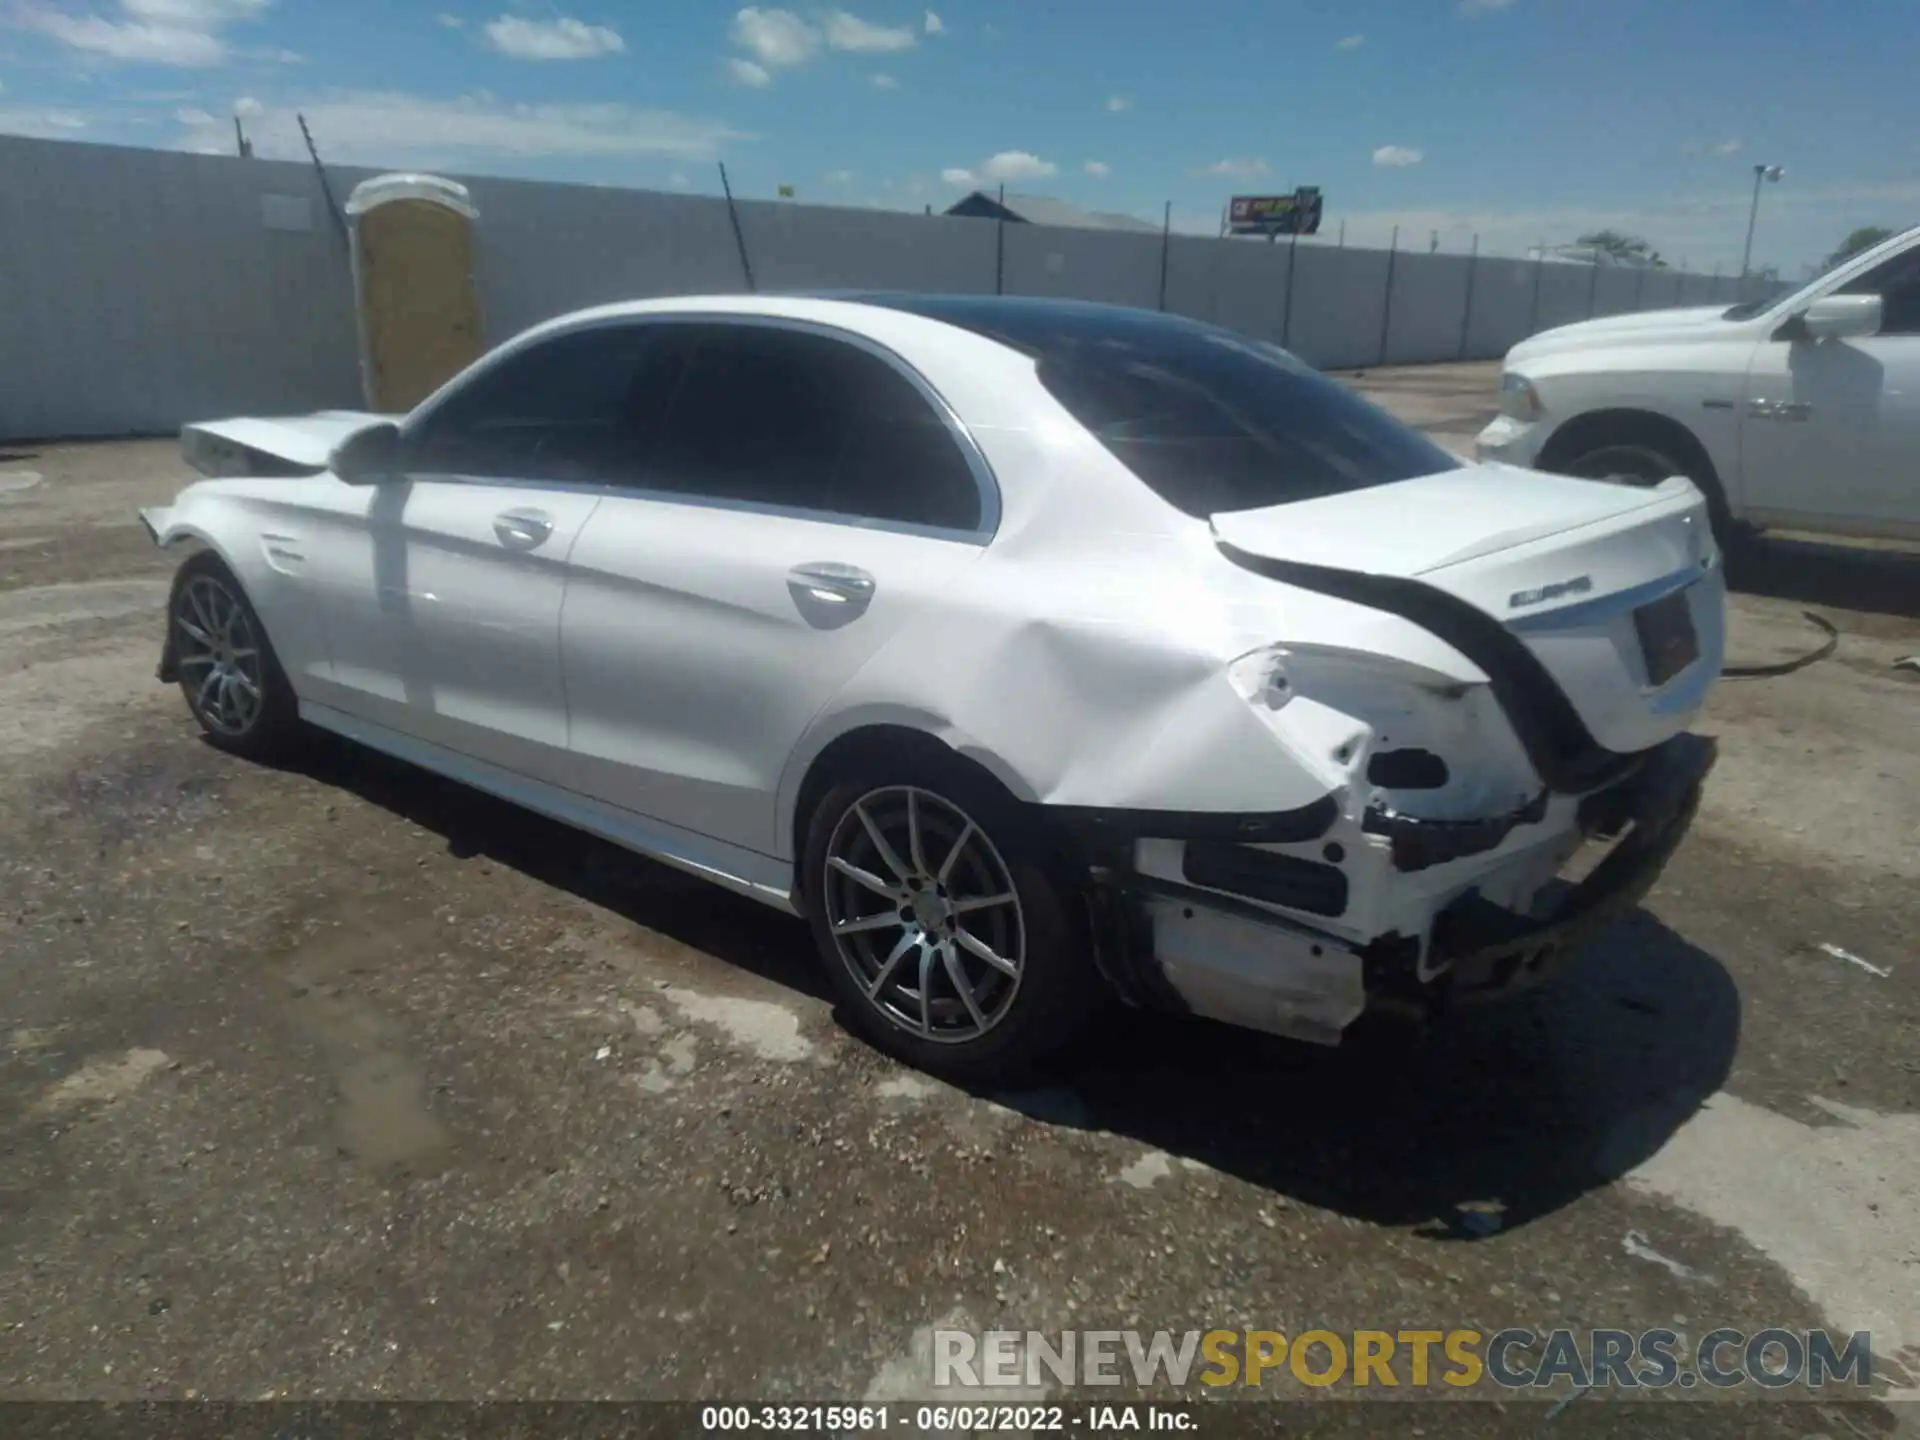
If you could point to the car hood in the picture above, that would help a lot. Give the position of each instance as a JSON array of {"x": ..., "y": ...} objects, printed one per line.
[{"x": 1692, "y": 321}]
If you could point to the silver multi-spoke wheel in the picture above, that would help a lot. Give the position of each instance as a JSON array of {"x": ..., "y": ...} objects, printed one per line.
[
  {"x": 924, "y": 914},
  {"x": 218, "y": 655}
]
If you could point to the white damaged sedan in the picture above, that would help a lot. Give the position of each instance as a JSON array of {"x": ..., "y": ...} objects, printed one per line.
[{"x": 1033, "y": 651}]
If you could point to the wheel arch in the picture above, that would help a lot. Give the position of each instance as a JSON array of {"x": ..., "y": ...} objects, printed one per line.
[
  {"x": 1625, "y": 425},
  {"x": 891, "y": 737}
]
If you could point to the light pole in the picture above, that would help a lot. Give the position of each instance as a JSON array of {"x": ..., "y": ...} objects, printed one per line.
[{"x": 1772, "y": 174}]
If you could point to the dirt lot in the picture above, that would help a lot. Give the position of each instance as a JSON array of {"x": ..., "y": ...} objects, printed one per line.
[{"x": 341, "y": 1081}]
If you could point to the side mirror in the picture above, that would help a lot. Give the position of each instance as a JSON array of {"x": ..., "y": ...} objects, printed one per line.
[
  {"x": 369, "y": 456},
  {"x": 1841, "y": 317}
]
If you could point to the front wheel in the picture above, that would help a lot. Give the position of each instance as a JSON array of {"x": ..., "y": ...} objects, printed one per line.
[
  {"x": 1641, "y": 463},
  {"x": 225, "y": 664},
  {"x": 946, "y": 933}
]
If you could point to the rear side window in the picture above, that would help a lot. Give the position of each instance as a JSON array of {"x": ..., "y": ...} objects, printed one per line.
[
  {"x": 1216, "y": 423},
  {"x": 1212, "y": 421},
  {"x": 767, "y": 415},
  {"x": 583, "y": 407}
]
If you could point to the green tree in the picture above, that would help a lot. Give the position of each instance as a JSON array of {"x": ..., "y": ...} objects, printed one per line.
[
  {"x": 1865, "y": 238},
  {"x": 1622, "y": 247}
]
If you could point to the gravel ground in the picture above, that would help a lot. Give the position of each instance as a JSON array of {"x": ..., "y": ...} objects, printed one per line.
[{"x": 340, "y": 1081}]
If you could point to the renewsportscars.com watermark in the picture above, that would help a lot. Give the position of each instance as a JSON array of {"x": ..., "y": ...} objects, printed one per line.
[{"x": 1509, "y": 1359}]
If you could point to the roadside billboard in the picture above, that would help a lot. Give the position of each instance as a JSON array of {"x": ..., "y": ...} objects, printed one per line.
[{"x": 1295, "y": 214}]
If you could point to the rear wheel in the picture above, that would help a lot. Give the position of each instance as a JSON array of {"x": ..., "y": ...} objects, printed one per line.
[
  {"x": 226, "y": 667},
  {"x": 949, "y": 937}
]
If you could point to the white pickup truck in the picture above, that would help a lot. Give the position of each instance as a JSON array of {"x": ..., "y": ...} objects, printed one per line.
[{"x": 1800, "y": 412}]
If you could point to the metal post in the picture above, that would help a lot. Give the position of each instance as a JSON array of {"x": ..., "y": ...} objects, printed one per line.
[
  {"x": 333, "y": 207},
  {"x": 1753, "y": 214},
  {"x": 739, "y": 237},
  {"x": 1286, "y": 315},
  {"x": 1166, "y": 232},
  {"x": 1466, "y": 310},
  {"x": 1539, "y": 267},
  {"x": 1593, "y": 285},
  {"x": 1386, "y": 303},
  {"x": 1000, "y": 246},
  {"x": 1343, "y": 234}
]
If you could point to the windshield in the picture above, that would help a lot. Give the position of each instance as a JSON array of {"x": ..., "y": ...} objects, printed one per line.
[
  {"x": 1210, "y": 420},
  {"x": 1747, "y": 309}
]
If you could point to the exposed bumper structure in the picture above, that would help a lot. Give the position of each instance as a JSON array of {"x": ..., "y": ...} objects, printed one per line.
[{"x": 1189, "y": 947}]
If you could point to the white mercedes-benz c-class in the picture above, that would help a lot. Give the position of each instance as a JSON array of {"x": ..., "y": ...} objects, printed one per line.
[{"x": 1033, "y": 651}]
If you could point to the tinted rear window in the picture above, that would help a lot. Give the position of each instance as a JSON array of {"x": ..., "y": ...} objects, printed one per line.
[{"x": 1213, "y": 421}]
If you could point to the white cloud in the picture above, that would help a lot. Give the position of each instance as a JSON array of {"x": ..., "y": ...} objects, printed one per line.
[
  {"x": 452, "y": 22},
  {"x": 883, "y": 81},
  {"x": 561, "y": 38},
  {"x": 1099, "y": 169},
  {"x": 1713, "y": 147},
  {"x": 39, "y": 124},
  {"x": 1249, "y": 168},
  {"x": 849, "y": 32},
  {"x": 1007, "y": 166},
  {"x": 1398, "y": 157},
  {"x": 839, "y": 177},
  {"x": 193, "y": 117},
  {"x": 1350, "y": 42},
  {"x": 153, "y": 32},
  {"x": 775, "y": 38},
  {"x": 1117, "y": 103},
  {"x": 390, "y": 128},
  {"x": 246, "y": 107},
  {"x": 1483, "y": 7},
  {"x": 678, "y": 180},
  {"x": 750, "y": 73},
  {"x": 935, "y": 25}
]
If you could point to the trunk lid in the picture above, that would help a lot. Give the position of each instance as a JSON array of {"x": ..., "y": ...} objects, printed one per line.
[
  {"x": 293, "y": 445},
  {"x": 1616, "y": 591}
]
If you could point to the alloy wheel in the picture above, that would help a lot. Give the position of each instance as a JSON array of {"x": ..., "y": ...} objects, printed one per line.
[
  {"x": 924, "y": 914},
  {"x": 218, "y": 656}
]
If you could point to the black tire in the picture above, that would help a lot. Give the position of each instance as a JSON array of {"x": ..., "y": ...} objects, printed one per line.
[
  {"x": 225, "y": 664},
  {"x": 1644, "y": 463},
  {"x": 1058, "y": 989}
]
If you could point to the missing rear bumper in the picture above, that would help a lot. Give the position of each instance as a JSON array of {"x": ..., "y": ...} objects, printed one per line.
[
  {"x": 1481, "y": 951},
  {"x": 1172, "y": 946}
]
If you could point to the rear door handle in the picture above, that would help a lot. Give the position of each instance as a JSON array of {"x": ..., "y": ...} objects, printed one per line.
[
  {"x": 833, "y": 583},
  {"x": 523, "y": 529}
]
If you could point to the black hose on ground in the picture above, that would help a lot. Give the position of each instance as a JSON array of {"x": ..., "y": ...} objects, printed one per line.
[{"x": 1787, "y": 667}]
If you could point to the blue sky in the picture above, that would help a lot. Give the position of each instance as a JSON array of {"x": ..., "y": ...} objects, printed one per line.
[{"x": 1520, "y": 120}]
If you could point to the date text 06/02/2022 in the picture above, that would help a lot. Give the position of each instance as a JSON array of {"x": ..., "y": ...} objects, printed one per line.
[{"x": 945, "y": 1419}]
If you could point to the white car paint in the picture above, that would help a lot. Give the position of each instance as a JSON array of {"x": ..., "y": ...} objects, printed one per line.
[
  {"x": 665, "y": 671},
  {"x": 1816, "y": 435}
]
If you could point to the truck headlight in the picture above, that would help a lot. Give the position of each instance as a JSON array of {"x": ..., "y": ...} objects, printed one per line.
[{"x": 1518, "y": 399}]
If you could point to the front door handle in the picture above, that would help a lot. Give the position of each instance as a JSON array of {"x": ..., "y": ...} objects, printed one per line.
[
  {"x": 832, "y": 583},
  {"x": 523, "y": 529}
]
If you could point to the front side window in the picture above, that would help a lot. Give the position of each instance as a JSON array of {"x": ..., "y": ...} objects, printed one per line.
[
  {"x": 772, "y": 416},
  {"x": 583, "y": 407}
]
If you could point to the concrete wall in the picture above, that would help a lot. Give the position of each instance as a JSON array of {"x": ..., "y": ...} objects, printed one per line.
[{"x": 143, "y": 288}]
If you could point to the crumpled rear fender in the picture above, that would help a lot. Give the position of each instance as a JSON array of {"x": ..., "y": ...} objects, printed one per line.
[{"x": 1136, "y": 709}]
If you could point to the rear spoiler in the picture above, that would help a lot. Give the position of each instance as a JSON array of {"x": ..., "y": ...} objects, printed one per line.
[{"x": 298, "y": 445}]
